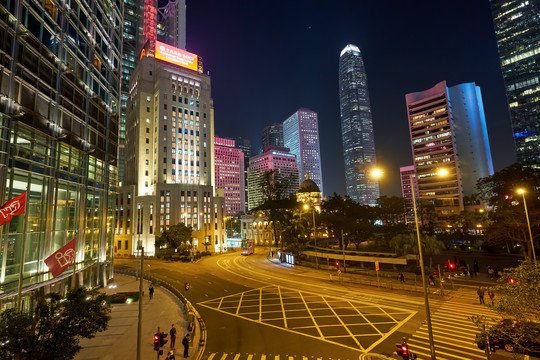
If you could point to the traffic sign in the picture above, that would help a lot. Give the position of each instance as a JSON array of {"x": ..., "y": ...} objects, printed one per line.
[{"x": 377, "y": 265}]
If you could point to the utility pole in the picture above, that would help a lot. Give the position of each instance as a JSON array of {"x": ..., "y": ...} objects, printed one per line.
[{"x": 139, "y": 326}]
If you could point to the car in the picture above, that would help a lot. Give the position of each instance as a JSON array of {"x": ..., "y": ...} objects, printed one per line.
[{"x": 512, "y": 335}]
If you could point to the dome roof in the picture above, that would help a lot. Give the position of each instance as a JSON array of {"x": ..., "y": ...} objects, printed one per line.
[{"x": 308, "y": 186}]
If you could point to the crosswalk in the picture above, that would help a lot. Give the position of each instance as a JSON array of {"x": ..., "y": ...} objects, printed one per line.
[
  {"x": 238, "y": 356},
  {"x": 453, "y": 331}
]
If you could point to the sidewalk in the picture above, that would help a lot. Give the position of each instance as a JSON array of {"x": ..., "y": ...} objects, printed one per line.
[{"x": 119, "y": 341}]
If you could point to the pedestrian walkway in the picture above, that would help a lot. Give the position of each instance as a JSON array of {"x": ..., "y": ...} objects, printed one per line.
[
  {"x": 119, "y": 341},
  {"x": 453, "y": 331}
]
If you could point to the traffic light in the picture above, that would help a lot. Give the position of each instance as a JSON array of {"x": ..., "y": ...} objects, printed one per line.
[
  {"x": 162, "y": 340},
  {"x": 403, "y": 351},
  {"x": 156, "y": 341},
  {"x": 337, "y": 265}
]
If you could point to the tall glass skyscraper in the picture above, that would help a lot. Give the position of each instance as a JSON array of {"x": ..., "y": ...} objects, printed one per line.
[
  {"x": 357, "y": 128},
  {"x": 517, "y": 28},
  {"x": 59, "y": 109},
  {"x": 301, "y": 136},
  {"x": 272, "y": 135}
]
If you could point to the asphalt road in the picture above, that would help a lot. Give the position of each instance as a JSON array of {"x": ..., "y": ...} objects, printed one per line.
[{"x": 252, "y": 306}]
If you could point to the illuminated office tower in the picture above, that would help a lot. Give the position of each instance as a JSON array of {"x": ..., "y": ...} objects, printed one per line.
[
  {"x": 407, "y": 191},
  {"x": 229, "y": 164},
  {"x": 169, "y": 23},
  {"x": 169, "y": 153},
  {"x": 448, "y": 131},
  {"x": 59, "y": 108},
  {"x": 272, "y": 135},
  {"x": 517, "y": 29},
  {"x": 301, "y": 136},
  {"x": 357, "y": 128},
  {"x": 245, "y": 146},
  {"x": 273, "y": 157}
]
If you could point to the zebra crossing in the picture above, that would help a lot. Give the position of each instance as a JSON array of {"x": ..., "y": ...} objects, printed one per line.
[
  {"x": 453, "y": 331},
  {"x": 238, "y": 356}
]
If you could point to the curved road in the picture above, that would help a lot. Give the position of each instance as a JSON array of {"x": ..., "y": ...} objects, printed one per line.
[{"x": 256, "y": 308}]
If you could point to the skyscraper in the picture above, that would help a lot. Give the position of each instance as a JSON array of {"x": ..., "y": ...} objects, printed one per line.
[
  {"x": 272, "y": 135},
  {"x": 273, "y": 157},
  {"x": 59, "y": 109},
  {"x": 448, "y": 131},
  {"x": 166, "y": 24},
  {"x": 169, "y": 153},
  {"x": 517, "y": 29},
  {"x": 229, "y": 164},
  {"x": 357, "y": 128},
  {"x": 245, "y": 146},
  {"x": 301, "y": 136},
  {"x": 407, "y": 193}
]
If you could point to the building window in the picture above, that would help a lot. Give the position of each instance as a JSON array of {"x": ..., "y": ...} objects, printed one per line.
[{"x": 119, "y": 245}]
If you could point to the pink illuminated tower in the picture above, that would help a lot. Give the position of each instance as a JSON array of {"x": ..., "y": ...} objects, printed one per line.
[{"x": 229, "y": 162}]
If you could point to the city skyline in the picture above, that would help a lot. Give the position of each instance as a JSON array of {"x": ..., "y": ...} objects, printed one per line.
[{"x": 401, "y": 56}]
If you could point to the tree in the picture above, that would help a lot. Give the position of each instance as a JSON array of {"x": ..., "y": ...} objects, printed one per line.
[
  {"x": 53, "y": 330},
  {"x": 408, "y": 244},
  {"x": 507, "y": 223},
  {"x": 391, "y": 210},
  {"x": 276, "y": 203},
  {"x": 518, "y": 292},
  {"x": 178, "y": 236},
  {"x": 296, "y": 233},
  {"x": 517, "y": 295}
]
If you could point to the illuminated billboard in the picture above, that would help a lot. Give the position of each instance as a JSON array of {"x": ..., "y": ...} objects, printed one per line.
[{"x": 176, "y": 56}]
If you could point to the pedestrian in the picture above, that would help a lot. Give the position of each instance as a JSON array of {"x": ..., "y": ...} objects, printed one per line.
[
  {"x": 491, "y": 296},
  {"x": 431, "y": 280},
  {"x": 480, "y": 293},
  {"x": 151, "y": 291},
  {"x": 172, "y": 332},
  {"x": 491, "y": 272},
  {"x": 476, "y": 268},
  {"x": 185, "y": 342},
  {"x": 170, "y": 356},
  {"x": 401, "y": 277}
]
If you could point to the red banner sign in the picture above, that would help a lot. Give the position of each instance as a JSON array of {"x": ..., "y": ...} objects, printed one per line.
[
  {"x": 59, "y": 261},
  {"x": 15, "y": 206}
]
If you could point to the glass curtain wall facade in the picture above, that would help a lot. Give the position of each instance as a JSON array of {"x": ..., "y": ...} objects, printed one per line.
[
  {"x": 357, "y": 128},
  {"x": 60, "y": 90},
  {"x": 272, "y": 135},
  {"x": 517, "y": 29},
  {"x": 301, "y": 136}
]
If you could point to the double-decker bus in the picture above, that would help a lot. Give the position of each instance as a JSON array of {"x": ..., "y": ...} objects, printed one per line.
[{"x": 247, "y": 247}]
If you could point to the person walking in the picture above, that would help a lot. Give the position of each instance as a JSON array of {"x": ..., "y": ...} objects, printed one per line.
[
  {"x": 172, "y": 332},
  {"x": 185, "y": 342},
  {"x": 480, "y": 293},
  {"x": 401, "y": 277},
  {"x": 491, "y": 296},
  {"x": 170, "y": 356},
  {"x": 151, "y": 291}
]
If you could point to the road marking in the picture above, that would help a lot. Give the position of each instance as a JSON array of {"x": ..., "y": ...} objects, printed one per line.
[
  {"x": 250, "y": 356},
  {"x": 263, "y": 357},
  {"x": 276, "y": 357},
  {"x": 236, "y": 357},
  {"x": 224, "y": 356},
  {"x": 239, "y": 303},
  {"x": 311, "y": 315},
  {"x": 282, "y": 307},
  {"x": 211, "y": 356}
]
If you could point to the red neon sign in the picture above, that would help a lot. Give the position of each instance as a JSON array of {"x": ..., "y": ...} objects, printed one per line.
[{"x": 176, "y": 56}]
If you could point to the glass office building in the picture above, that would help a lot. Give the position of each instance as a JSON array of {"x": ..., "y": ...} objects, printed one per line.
[
  {"x": 517, "y": 29},
  {"x": 357, "y": 128},
  {"x": 60, "y": 91}
]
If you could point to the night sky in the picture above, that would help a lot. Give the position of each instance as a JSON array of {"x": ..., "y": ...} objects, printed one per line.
[{"x": 267, "y": 59}]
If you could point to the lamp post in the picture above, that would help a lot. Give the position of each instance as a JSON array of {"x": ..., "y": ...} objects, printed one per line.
[
  {"x": 426, "y": 300},
  {"x": 522, "y": 192},
  {"x": 314, "y": 234},
  {"x": 442, "y": 172}
]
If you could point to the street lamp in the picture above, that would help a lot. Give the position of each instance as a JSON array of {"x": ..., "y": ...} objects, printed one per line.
[
  {"x": 306, "y": 206},
  {"x": 522, "y": 192},
  {"x": 442, "y": 172},
  {"x": 426, "y": 300}
]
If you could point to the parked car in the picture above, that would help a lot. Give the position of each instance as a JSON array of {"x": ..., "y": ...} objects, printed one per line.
[{"x": 512, "y": 335}]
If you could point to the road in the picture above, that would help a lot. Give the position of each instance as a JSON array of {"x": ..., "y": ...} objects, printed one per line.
[{"x": 257, "y": 309}]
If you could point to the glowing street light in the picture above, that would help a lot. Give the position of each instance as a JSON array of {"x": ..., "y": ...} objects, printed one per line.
[
  {"x": 306, "y": 207},
  {"x": 522, "y": 192},
  {"x": 426, "y": 300}
]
